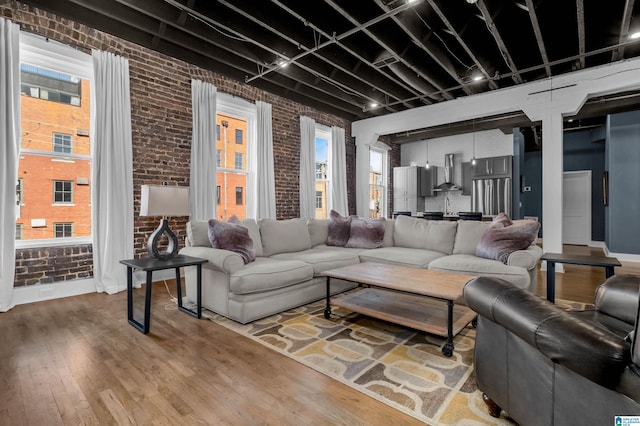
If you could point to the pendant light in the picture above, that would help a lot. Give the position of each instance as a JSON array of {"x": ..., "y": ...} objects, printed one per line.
[
  {"x": 427, "y": 165},
  {"x": 473, "y": 138}
]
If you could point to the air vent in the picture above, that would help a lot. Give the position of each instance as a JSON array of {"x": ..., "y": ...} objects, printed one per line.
[{"x": 386, "y": 61}]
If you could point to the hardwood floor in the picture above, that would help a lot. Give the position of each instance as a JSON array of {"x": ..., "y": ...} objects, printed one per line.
[
  {"x": 579, "y": 282},
  {"x": 78, "y": 361}
]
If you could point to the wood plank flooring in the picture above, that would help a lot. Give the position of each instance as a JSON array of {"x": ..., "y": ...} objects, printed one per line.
[{"x": 78, "y": 361}]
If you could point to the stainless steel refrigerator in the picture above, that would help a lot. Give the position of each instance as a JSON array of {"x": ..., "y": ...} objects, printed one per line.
[{"x": 491, "y": 196}]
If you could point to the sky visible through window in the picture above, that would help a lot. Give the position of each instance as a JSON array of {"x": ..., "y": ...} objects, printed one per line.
[{"x": 322, "y": 146}]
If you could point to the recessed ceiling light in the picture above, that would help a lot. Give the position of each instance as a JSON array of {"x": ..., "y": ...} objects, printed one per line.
[
  {"x": 635, "y": 35},
  {"x": 471, "y": 1}
]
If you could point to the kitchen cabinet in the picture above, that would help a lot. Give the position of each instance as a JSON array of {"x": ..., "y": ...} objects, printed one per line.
[
  {"x": 410, "y": 185},
  {"x": 492, "y": 167}
]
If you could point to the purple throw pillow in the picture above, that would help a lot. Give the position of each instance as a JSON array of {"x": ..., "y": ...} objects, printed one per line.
[
  {"x": 339, "y": 229},
  {"x": 503, "y": 237},
  {"x": 231, "y": 235},
  {"x": 366, "y": 233}
]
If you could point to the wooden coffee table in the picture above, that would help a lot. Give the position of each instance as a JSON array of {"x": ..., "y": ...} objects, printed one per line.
[{"x": 411, "y": 297}]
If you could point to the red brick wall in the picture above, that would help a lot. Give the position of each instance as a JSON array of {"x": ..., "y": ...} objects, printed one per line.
[{"x": 161, "y": 124}]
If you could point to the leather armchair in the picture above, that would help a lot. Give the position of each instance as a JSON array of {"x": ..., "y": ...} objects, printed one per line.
[{"x": 545, "y": 365}]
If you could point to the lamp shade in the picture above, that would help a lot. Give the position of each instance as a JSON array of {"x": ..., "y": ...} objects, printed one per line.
[{"x": 163, "y": 200}]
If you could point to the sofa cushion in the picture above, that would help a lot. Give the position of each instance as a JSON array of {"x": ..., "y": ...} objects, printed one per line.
[
  {"x": 418, "y": 258},
  {"x": 339, "y": 229},
  {"x": 503, "y": 237},
  {"x": 366, "y": 233},
  {"x": 198, "y": 234},
  {"x": 318, "y": 231},
  {"x": 436, "y": 235},
  {"x": 473, "y": 265},
  {"x": 468, "y": 236},
  {"x": 324, "y": 257},
  {"x": 388, "y": 233},
  {"x": 267, "y": 274},
  {"x": 284, "y": 236}
]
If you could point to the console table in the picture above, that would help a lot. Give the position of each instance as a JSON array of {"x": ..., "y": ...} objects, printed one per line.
[
  {"x": 150, "y": 264},
  {"x": 575, "y": 259}
]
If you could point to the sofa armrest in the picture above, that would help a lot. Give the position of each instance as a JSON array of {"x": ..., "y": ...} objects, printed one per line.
[
  {"x": 527, "y": 259},
  {"x": 581, "y": 346},
  {"x": 618, "y": 295},
  {"x": 221, "y": 260}
]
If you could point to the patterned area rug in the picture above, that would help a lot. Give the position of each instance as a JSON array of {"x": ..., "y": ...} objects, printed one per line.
[{"x": 401, "y": 367}]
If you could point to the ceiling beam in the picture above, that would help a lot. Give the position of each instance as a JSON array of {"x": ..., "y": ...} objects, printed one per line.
[
  {"x": 624, "y": 30},
  {"x": 464, "y": 45},
  {"x": 418, "y": 42},
  {"x": 581, "y": 34},
  {"x": 367, "y": 81},
  {"x": 538, "y": 33},
  {"x": 361, "y": 59},
  {"x": 486, "y": 15}
]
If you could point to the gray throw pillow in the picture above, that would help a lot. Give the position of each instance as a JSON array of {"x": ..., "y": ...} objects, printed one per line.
[
  {"x": 231, "y": 235},
  {"x": 366, "y": 233},
  {"x": 503, "y": 237},
  {"x": 339, "y": 229}
]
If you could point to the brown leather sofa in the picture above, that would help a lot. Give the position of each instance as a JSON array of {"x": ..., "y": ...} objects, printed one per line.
[{"x": 545, "y": 365}]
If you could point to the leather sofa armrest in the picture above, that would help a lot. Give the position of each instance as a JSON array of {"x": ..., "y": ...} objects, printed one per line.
[
  {"x": 581, "y": 346},
  {"x": 618, "y": 295},
  {"x": 527, "y": 259},
  {"x": 221, "y": 260}
]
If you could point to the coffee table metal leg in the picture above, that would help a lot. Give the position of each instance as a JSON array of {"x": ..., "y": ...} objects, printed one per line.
[
  {"x": 327, "y": 309},
  {"x": 447, "y": 349}
]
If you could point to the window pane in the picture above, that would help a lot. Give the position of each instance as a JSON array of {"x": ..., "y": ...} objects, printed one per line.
[
  {"x": 239, "y": 196},
  {"x": 239, "y": 136},
  {"x": 62, "y": 143},
  {"x": 63, "y": 230},
  {"x": 377, "y": 188},
  {"x": 218, "y": 195},
  {"x": 238, "y": 161},
  {"x": 18, "y": 231},
  {"x": 322, "y": 174},
  {"x": 217, "y": 132},
  {"x": 218, "y": 158},
  {"x": 231, "y": 174},
  {"x": 44, "y": 143}
]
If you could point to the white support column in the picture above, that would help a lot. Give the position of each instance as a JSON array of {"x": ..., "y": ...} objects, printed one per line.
[{"x": 552, "y": 179}]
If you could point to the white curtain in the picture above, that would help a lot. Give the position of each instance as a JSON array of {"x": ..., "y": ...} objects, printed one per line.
[
  {"x": 10, "y": 134},
  {"x": 112, "y": 171},
  {"x": 307, "y": 167},
  {"x": 266, "y": 187},
  {"x": 339, "y": 201},
  {"x": 202, "y": 185}
]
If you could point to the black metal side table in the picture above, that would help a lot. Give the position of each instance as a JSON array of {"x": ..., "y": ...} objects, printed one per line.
[
  {"x": 574, "y": 259},
  {"x": 150, "y": 264}
]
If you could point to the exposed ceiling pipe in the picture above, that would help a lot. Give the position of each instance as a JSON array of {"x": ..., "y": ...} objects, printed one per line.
[
  {"x": 355, "y": 54},
  {"x": 335, "y": 38}
]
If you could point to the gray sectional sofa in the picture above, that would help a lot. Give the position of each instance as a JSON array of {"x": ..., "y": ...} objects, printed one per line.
[{"x": 291, "y": 255}]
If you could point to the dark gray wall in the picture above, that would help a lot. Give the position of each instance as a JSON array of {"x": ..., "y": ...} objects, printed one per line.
[
  {"x": 585, "y": 150},
  {"x": 531, "y": 172},
  {"x": 623, "y": 165}
]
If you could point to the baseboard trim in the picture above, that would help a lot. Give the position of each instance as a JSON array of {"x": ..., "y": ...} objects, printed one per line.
[{"x": 41, "y": 292}]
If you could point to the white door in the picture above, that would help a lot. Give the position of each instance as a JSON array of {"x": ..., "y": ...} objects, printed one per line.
[{"x": 576, "y": 207}]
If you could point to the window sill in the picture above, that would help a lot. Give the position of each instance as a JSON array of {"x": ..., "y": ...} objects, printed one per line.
[{"x": 53, "y": 242}]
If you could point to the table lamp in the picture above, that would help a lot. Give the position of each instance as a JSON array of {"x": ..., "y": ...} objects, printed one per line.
[{"x": 163, "y": 200}]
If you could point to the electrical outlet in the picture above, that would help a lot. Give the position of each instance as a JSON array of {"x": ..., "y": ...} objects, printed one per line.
[{"x": 526, "y": 189}]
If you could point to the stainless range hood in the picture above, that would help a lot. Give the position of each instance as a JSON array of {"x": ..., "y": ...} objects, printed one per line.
[{"x": 448, "y": 184}]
